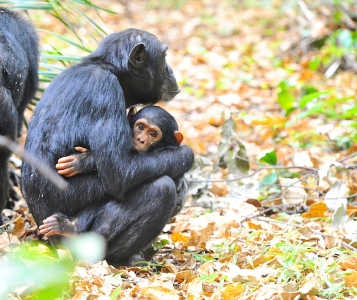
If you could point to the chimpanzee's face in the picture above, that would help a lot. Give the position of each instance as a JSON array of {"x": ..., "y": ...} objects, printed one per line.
[
  {"x": 146, "y": 134},
  {"x": 138, "y": 59}
]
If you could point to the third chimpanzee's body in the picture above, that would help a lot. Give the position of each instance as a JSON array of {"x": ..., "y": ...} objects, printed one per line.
[
  {"x": 154, "y": 129},
  {"x": 18, "y": 83},
  {"x": 132, "y": 194}
]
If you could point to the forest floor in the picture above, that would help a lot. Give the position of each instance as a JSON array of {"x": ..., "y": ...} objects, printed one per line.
[{"x": 275, "y": 232}]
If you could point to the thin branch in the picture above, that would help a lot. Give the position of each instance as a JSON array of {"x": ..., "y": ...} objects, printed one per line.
[
  {"x": 347, "y": 157},
  {"x": 256, "y": 171},
  {"x": 56, "y": 179},
  {"x": 10, "y": 222},
  {"x": 308, "y": 13}
]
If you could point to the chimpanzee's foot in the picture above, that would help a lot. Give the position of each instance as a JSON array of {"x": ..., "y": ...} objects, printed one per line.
[{"x": 58, "y": 224}]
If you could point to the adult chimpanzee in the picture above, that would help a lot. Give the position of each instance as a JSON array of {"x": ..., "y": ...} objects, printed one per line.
[
  {"x": 154, "y": 130},
  {"x": 18, "y": 83},
  {"x": 133, "y": 194}
]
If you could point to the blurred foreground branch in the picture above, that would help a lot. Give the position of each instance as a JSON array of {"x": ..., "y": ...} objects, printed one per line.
[{"x": 56, "y": 179}]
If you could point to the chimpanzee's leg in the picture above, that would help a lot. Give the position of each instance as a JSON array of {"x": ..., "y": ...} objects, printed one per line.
[{"x": 131, "y": 225}]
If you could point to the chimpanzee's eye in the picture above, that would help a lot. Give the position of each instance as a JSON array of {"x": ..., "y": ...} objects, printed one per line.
[{"x": 153, "y": 134}]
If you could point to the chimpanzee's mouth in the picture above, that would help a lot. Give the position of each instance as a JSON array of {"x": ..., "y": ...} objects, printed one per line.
[{"x": 169, "y": 95}]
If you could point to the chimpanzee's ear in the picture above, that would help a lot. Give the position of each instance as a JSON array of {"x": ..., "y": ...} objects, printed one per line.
[
  {"x": 132, "y": 112},
  {"x": 136, "y": 57},
  {"x": 179, "y": 137}
]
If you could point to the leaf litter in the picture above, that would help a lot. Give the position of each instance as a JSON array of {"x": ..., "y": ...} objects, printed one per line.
[{"x": 235, "y": 239}]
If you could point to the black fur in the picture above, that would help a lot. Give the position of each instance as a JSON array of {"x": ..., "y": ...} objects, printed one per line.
[
  {"x": 85, "y": 163},
  {"x": 86, "y": 105},
  {"x": 18, "y": 83}
]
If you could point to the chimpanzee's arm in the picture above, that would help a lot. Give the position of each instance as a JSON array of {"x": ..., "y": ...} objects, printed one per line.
[
  {"x": 121, "y": 170},
  {"x": 111, "y": 142}
]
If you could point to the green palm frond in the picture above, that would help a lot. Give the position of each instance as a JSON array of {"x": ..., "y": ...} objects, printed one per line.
[{"x": 73, "y": 14}]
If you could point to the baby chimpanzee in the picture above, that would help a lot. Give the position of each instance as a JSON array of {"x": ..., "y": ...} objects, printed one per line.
[{"x": 154, "y": 129}]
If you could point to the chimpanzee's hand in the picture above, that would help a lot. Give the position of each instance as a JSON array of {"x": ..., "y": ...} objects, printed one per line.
[{"x": 68, "y": 166}]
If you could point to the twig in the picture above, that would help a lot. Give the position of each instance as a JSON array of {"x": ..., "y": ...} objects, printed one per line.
[
  {"x": 347, "y": 157},
  {"x": 308, "y": 13},
  {"x": 10, "y": 222},
  {"x": 56, "y": 179},
  {"x": 255, "y": 172}
]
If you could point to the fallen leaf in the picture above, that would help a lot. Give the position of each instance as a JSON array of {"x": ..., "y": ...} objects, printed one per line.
[
  {"x": 232, "y": 291},
  {"x": 316, "y": 210},
  {"x": 351, "y": 279},
  {"x": 160, "y": 293}
]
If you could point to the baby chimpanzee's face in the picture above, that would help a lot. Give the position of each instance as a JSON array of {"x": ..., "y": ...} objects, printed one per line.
[{"x": 145, "y": 135}]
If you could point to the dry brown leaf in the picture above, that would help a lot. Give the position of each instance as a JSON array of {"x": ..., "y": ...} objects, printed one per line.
[
  {"x": 19, "y": 229},
  {"x": 351, "y": 210},
  {"x": 194, "y": 289},
  {"x": 316, "y": 210},
  {"x": 208, "y": 288},
  {"x": 275, "y": 120},
  {"x": 290, "y": 295},
  {"x": 200, "y": 237},
  {"x": 179, "y": 256},
  {"x": 185, "y": 276},
  {"x": 255, "y": 275},
  {"x": 189, "y": 264},
  {"x": 219, "y": 189},
  {"x": 6, "y": 239},
  {"x": 178, "y": 237},
  {"x": 182, "y": 226},
  {"x": 266, "y": 292},
  {"x": 349, "y": 262},
  {"x": 294, "y": 196},
  {"x": 160, "y": 293},
  {"x": 232, "y": 291},
  {"x": 351, "y": 279},
  {"x": 302, "y": 158},
  {"x": 262, "y": 259},
  {"x": 170, "y": 267},
  {"x": 254, "y": 225},
  {"x": 332, "y": 242},
  {"x": 311, "y": 286}
]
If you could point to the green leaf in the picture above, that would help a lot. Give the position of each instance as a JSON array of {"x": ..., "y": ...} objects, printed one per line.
[
  {"x": 270, "y": 158},
  {"x": 116, "y": 293},
  {"x": 269, "y": 179},
  {"x": 314, "y": 64},
  {"x": 69, "y": 41},
  {"x": 36, "y": 266},
  {"x": 345, "y": 39},
  {"x": 159, "y": 244},
  {"x": 285, "y": 98},
  {"x": 312, "y": 96}
]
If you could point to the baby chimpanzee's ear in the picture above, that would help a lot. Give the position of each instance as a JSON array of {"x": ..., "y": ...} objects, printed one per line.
[
  {"x": 132, "y": 112},
  {"x": 178, "y": 136}
]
